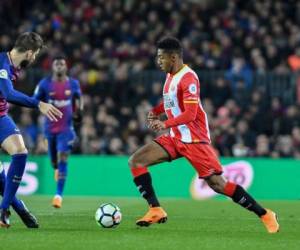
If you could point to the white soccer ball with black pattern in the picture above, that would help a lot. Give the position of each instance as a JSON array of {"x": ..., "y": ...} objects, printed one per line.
[{"x": 108, "y": 215}]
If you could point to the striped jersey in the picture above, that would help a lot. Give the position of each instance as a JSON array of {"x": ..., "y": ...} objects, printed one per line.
[{"x": 184, "y": 87}]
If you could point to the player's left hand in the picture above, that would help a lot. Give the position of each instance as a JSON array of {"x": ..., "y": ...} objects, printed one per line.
[{"x": 157, "y": 125}]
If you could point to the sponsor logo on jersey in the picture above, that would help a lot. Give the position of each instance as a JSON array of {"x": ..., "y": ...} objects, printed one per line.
[
  {"x": 193, "y": 88},
  {"x": 60, "y": 103},
  {"x": 52, "y": 93},
  {"x": 168, "y": 102},
  {"x": 3, "y": 74}
]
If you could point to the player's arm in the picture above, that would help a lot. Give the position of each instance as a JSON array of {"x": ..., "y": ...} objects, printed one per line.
[
  {"x": 17, "y": 97},
  {"x": 14, "y": 96},
  {"x": 78, "y": 108},
  {"x": 189, "y": 115},
  {"x": 154, "y": 113},
  {"x": 78, "y": 104},
  {"x": 158, "y": 109}
]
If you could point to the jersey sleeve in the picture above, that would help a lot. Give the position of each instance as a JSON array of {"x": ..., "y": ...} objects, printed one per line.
[
  {"x": 76, "y": 88},
  {"x": 12, "y": 95},
  {"x": 158, "y": 109},
  {"x": 190, "y": 88},
  {"x": 189, "y": 115}
]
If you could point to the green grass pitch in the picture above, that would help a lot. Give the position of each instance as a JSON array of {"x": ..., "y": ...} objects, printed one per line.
[{"x": 192, "y": 225}]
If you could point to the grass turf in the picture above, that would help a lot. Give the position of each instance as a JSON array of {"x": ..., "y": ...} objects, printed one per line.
[{"x": 192, "y": 225}]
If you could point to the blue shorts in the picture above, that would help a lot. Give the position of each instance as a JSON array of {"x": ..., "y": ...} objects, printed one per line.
[
  {"x": 61, "y": 142},
  {"x": 7, "y": 128}
]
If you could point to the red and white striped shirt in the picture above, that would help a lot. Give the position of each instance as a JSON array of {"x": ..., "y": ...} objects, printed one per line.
[{"x": 181, "y": 102}]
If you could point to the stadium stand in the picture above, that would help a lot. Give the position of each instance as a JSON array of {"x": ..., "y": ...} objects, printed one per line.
[{"x": 248, "y": 62}]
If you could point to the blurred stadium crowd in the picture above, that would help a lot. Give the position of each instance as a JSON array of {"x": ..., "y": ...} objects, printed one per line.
[{"x": 107, "y": 42}]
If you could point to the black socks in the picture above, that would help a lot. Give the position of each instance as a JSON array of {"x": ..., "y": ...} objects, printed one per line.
[
  {"x": 241, "y": 197},
  {"x": 144, "y": 185}
]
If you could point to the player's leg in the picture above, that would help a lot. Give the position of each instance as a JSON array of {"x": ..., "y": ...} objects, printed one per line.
[
  {"x": 15, "y": 202},
  {"x": 14, "y": 146},
  {"x": 27, "y": 217},
  {"x": 205, "y": 161},
  {"x": 236, "y": 192},
  {"x": 240, "y": 196},
  {"x": 64, "y": 146},
  {"x": 52, "y": 153},
  {"x": 150, "y": 154},
  {"x": 61, "y": 179}
]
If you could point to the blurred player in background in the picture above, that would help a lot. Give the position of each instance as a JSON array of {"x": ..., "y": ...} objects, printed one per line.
[
  {"x": 24, "y": 52},
  {"x": 64, "y": 93},
  {"x": 189, "y": 137}
]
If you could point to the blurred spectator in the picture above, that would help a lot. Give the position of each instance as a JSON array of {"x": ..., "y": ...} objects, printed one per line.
[
  {"x": 239, "y": 74},
  {"x": 221, "y": 92},
  {"x": 284, "y": 146},
  {"x": 290, "y": 120},
  {"x": 262, "y": 146},
  {"x": 294, "y": 60}
]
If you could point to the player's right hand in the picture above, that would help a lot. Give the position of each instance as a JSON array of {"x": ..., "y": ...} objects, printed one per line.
[
  {"x": 77, "y": 117},
  {"x": 157, "y": 125},
  {"x": 150, "y": 118},
  {"x": 50, "y": 111}
]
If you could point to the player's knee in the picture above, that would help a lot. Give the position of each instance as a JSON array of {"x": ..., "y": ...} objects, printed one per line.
[
  {"x": 131, "y": 161},
  {"x": 134, "y": 161},
  {"x": 217, "y": 186},
  {"x": 63, "y": 157},
  {"x": 19, "y": 150}
]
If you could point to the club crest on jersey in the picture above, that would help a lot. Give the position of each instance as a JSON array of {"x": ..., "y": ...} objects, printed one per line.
[
  {"x": 168, "y": 102},
  {"x": 193, "y": 88},
  {"x": 3, "y": 74},
  {"x": 68, "y": 92}
]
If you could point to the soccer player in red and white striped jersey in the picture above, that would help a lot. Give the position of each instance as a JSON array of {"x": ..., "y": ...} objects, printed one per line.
[{"x": 189, "y": 137}]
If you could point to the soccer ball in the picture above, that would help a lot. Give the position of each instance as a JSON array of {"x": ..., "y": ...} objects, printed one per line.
[{"x": 108, "y": 215}]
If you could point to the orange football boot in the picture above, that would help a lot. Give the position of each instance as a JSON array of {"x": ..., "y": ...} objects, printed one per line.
[
  {"x": 154, "y": 215},
  {"x": 270, "y": 221},
  {"x": 57, "y": 201}
]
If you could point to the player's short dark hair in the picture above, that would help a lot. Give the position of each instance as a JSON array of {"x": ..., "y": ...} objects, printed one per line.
[
  {"x": 29, "y": 41},
  {"x": 59, "y": 57},
  {"x": 170, "y": 44}
]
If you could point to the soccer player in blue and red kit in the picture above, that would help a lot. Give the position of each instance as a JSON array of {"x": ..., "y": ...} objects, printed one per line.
[
  {"x": 64, "y": 93},
  {"x": 24, "y": 52}
]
